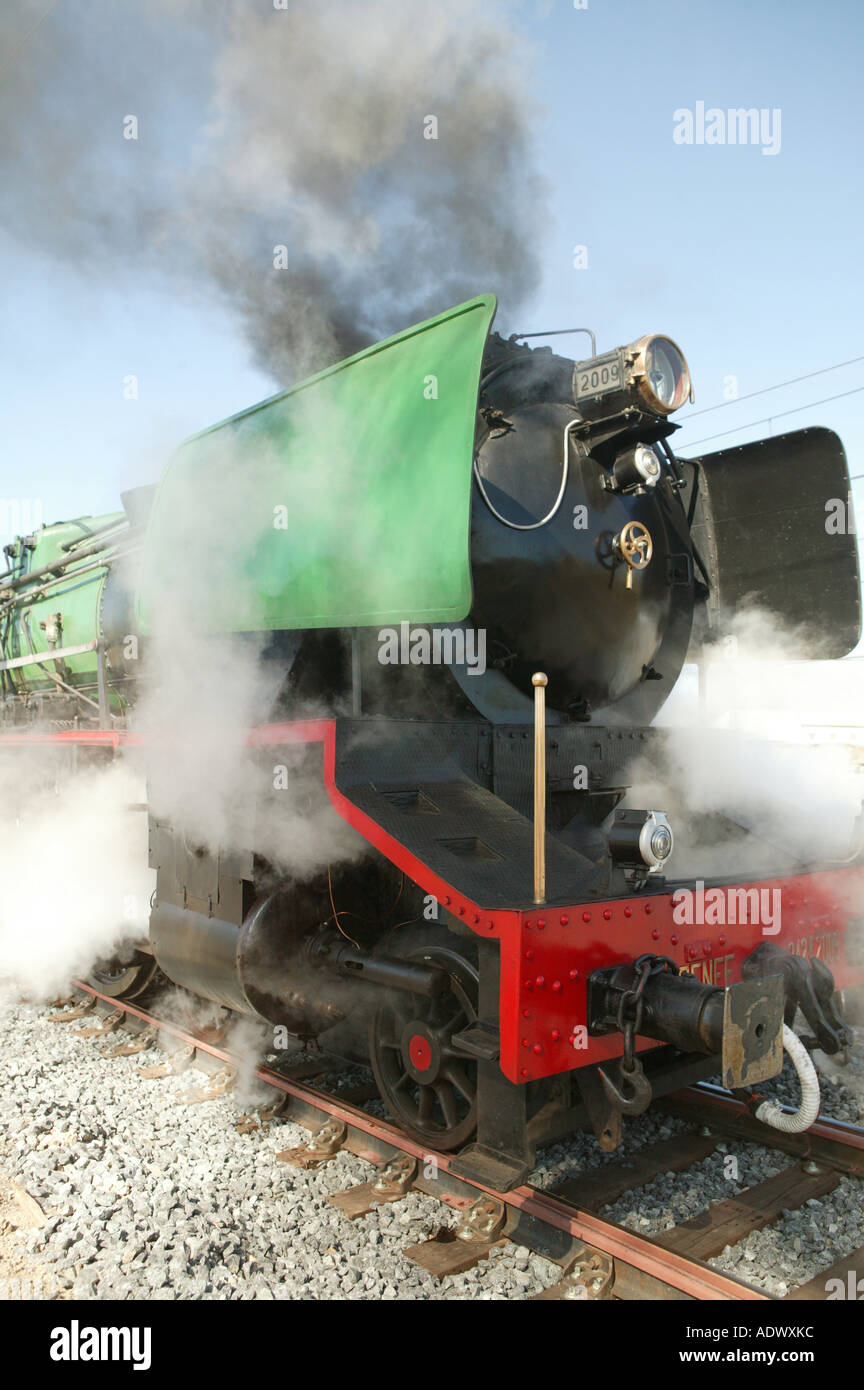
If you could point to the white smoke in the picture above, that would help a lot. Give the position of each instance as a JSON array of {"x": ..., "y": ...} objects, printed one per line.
[
  {"x": 755, "y": 747},
  {"x": 73, "y": 864}
]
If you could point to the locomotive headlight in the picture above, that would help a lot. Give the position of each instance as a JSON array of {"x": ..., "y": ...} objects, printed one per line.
[
  {"x": 641, "y": 841},
  {"x": 646, "y": 463},
  {"x": 661, "y": 373},
  {"x": 651, "y": 374},
  {"x": 637, "y": 468},
  {"x": 658, "y": 842}
]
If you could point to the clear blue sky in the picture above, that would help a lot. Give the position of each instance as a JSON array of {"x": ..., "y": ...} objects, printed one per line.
[{"x": 751, "y": 262}]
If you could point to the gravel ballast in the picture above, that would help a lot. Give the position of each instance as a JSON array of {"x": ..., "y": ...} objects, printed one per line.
[{"x": 149, "y": 1197}]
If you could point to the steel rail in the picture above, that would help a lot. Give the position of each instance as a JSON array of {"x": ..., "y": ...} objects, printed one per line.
[{"x": 836, "y": 1143}]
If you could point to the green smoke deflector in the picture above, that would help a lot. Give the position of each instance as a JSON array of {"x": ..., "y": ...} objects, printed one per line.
[{"x": 341, "y": 502}]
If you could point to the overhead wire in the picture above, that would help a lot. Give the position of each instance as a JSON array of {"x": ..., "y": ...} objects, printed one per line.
[
  {"x": 766, "y": 419},
  {"x": 793, "y": 381}
]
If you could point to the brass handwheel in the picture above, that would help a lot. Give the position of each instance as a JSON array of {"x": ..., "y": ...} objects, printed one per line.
[{"x": 635, "y": 546}]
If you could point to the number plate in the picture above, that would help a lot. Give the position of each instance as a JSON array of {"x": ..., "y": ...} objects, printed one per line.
[{"x": 599, "y": 376}]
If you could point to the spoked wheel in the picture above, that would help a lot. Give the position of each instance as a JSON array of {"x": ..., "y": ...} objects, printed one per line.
[
  {"x": 429, "y": 1088},
  {"x": 123, "y": 977}
]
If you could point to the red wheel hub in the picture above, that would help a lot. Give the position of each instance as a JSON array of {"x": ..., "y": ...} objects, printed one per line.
[
  {"x": 420, "y": 1052},
  {"x": 421, "y": 1055}
]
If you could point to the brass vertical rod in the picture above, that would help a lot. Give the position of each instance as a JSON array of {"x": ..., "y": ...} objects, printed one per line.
[
  {"x": 102, "y": 688},
  {"x": 539, "y": 683}
]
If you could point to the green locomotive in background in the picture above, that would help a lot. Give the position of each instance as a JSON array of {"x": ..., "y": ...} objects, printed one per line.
[{"x": 65, "y": 617}]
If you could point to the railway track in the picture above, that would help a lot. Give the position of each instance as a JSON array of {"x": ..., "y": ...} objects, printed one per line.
[{"x": 599, "y": 1259}]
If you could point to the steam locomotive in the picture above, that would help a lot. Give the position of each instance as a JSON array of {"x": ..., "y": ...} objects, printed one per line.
[{"x": 476, "y": 570}]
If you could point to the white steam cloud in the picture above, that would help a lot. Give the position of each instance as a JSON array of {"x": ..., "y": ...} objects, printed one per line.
[
  {"x": 204, "y": 693},
  {"x": 753, "y": 750},
  {"x": 73, "y": 864}
]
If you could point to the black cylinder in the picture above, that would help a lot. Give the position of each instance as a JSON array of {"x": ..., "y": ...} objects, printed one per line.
[{"x": 676, "y": 1009}]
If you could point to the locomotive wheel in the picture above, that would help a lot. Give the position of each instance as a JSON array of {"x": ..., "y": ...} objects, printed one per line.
[
  {"x": 123, "y": 977},
  {"x": 429, "y": 1088}
]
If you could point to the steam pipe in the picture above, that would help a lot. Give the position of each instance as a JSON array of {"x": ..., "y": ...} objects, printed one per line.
[
  {"x": 343, "y": 959},
  {"x": 8, "y": 586}
]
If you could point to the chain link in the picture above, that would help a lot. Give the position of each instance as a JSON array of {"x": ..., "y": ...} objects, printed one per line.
[{"x": 631, "y": 1004}]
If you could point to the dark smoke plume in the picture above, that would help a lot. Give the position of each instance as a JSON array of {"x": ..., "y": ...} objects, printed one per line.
[{"x": 260, "y": 127}]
